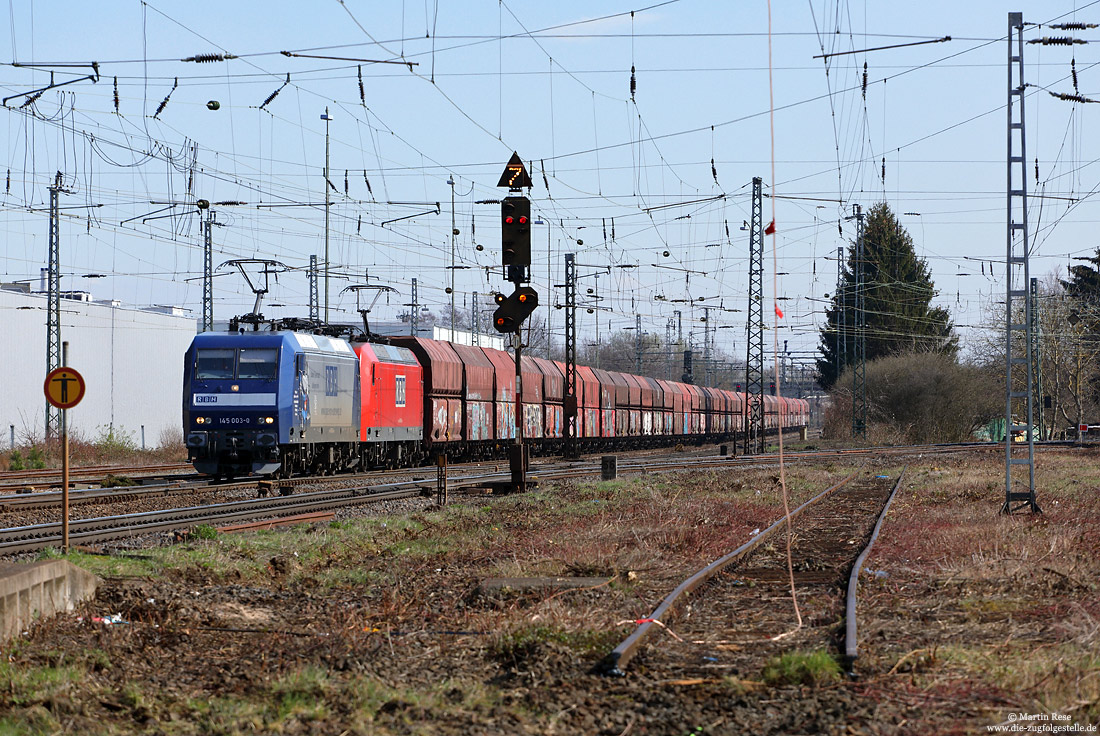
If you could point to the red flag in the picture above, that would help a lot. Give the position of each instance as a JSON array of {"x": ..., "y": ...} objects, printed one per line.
[
  {"x": 778, "y": 312},
  {"x": 770, "y": 229}
]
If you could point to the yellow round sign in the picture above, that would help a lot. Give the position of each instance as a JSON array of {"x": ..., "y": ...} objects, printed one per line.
[{"x": 64, "y": 387}]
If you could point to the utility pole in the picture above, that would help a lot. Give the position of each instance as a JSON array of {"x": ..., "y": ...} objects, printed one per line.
[
  {"x": 454, "y": 232},
  {"x": 668, "y": 349},
  {"x": 597, "y": 314},
  {"x": 859, "y": 359},
  {"x": 314, "y": 312},
  {"x": 754, "y": 362},
  {"x": 475, "y": 315},
  {"x": 53, "y": 300},
  {"x": 208, "y": 272},
  {"x": 328, "y": 205},
  {"x": 842, "y": 317},
  {"x": 1037, "y": 356},
  {"x": 637, "y": 344},
  {"x": 414, "y": 312},
  {"x": 706, "y": 346},
  {"x": 1019, "y": 406},
  {"x": 572, "y": 448}
]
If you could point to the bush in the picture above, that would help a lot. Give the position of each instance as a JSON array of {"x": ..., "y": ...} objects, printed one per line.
[
  {"x": 917, "y": 397},
  {"x": 35, "y": 459},
  {"x": 111, "y": 442}
]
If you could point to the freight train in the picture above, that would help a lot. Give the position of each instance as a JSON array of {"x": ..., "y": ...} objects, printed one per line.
[{"x": 285, "y": 402}]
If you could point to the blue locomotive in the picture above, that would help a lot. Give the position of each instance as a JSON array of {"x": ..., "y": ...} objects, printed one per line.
[{"x": 270, "y": 403}]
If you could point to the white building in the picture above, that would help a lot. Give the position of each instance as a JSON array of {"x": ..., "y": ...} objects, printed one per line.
[{"x": 131, "y": 361}]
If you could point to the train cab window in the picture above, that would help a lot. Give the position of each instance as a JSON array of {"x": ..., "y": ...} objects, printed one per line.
[
  {"x": 258, "y": 363},
  {"x": 214, "y": 362},
  {"x": 399, "y": 394}
]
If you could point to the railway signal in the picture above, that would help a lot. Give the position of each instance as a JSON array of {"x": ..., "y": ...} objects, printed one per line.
[
  {"x": 514, "y": 309},
  {"x": 515, "y": 231}
]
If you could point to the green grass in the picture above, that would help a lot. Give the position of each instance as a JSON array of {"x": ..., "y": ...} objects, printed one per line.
[{"x": 802, "y": 668}]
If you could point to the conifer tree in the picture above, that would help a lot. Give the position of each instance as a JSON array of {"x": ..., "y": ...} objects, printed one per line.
[{"x": 898, "y": 292}]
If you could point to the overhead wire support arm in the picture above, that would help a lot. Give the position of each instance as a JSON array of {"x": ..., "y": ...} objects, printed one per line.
[
  {"x": 436, "y": 211},
  {"x": 294, "y": 55},
  {"x": 884, "y": 48},
  {"x": 94, "y": 77}
]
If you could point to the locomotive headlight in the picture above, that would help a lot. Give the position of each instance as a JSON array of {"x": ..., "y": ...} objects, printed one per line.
[
  {"x": 269, "y": 420},
  {"x": 200, "y": 420},
  {"x": 234, "y": 387}
]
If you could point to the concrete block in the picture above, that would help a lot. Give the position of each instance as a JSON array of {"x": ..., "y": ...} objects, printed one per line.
[{"x": 39, "y": 589}]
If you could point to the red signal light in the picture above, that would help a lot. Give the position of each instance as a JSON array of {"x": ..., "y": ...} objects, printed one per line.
[
  {"x": 522, "y": 220},
  {"x": 508, "y": 219}
]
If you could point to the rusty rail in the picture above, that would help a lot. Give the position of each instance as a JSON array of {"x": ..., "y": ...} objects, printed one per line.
[
  {"x": 621, "y": 655},
  {"x": 850, "y": 638}
]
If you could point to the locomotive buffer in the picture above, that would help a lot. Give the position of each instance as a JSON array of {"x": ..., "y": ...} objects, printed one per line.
[{"x": 513, "y": 310}]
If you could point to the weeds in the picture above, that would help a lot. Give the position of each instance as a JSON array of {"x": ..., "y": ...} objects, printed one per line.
[
  {"x": 204, "y": 531},
  {"x": 802, "y": 668}
]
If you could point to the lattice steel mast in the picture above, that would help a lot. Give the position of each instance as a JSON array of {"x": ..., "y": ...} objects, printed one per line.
[
  {"x": 1019, "y": 406},
  {"x": 1037, "y": 356},
  {"x": 859, "y": 318},
  {"x": 754, "y": 363},
  {"x": 53, "y": 301},
  {"x": 208, "y": 272},
  {"x": 314, "y": 309}
]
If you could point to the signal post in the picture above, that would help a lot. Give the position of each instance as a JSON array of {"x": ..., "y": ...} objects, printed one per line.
[
  {"x": 513, "y": 310},
  {"x": 64, "y": 388}
]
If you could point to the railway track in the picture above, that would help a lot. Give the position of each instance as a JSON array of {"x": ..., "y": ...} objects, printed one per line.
[
  {"x": 38, "y": 536},
  {"x": 14, "y": 481},
  {"x": 741, "y": 613}
]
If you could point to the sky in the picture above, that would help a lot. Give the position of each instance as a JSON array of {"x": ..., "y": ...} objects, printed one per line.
[{"x": 429, "y": 99}]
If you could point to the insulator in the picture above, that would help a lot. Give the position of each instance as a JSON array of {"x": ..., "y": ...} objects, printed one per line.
[
  {"x": 207, "y": 58},
  {"x": 1073, "y": 72},
  {"x": 545, "y": 181},
  {"x": 840, "y": 229},
  {"x": 116, "y": 95},
  {"x": 230, "y": 203},
  {"x": 164, "y": 102},
  {"x": 7, "y": 185},
  {"x": 603, "y": 222},
  {"x": 359, "y": 225},
  {"x": 1036, "y": 170},
  {"x": 345, "y": 182},
  {"x": 713, "y": 170},
  {"x": 32, "y": 99},
  {"x": 367, "y": 182},
  {"x": 613, "y": 228},
  {"x": 727, "y": 224},
  {"x": 362, "y": 93},
  {"x": 633, "y": 83},
  {"x": 1072, "y": 26},
  {"x": 1057, "y": 41},
  {"x": 275, "y": 94},
  {"x": 865, "y": 80},
  {"x": 1070, "y": 98},
  {"x": 883, "y": 169}
]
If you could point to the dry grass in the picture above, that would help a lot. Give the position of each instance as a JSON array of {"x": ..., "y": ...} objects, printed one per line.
[{"x": 1007, "y": 603}]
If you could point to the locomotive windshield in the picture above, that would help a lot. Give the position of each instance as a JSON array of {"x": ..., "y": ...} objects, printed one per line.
[
  {"x": 214, "y": 362},
  {"x": 258, "y": 363}
]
